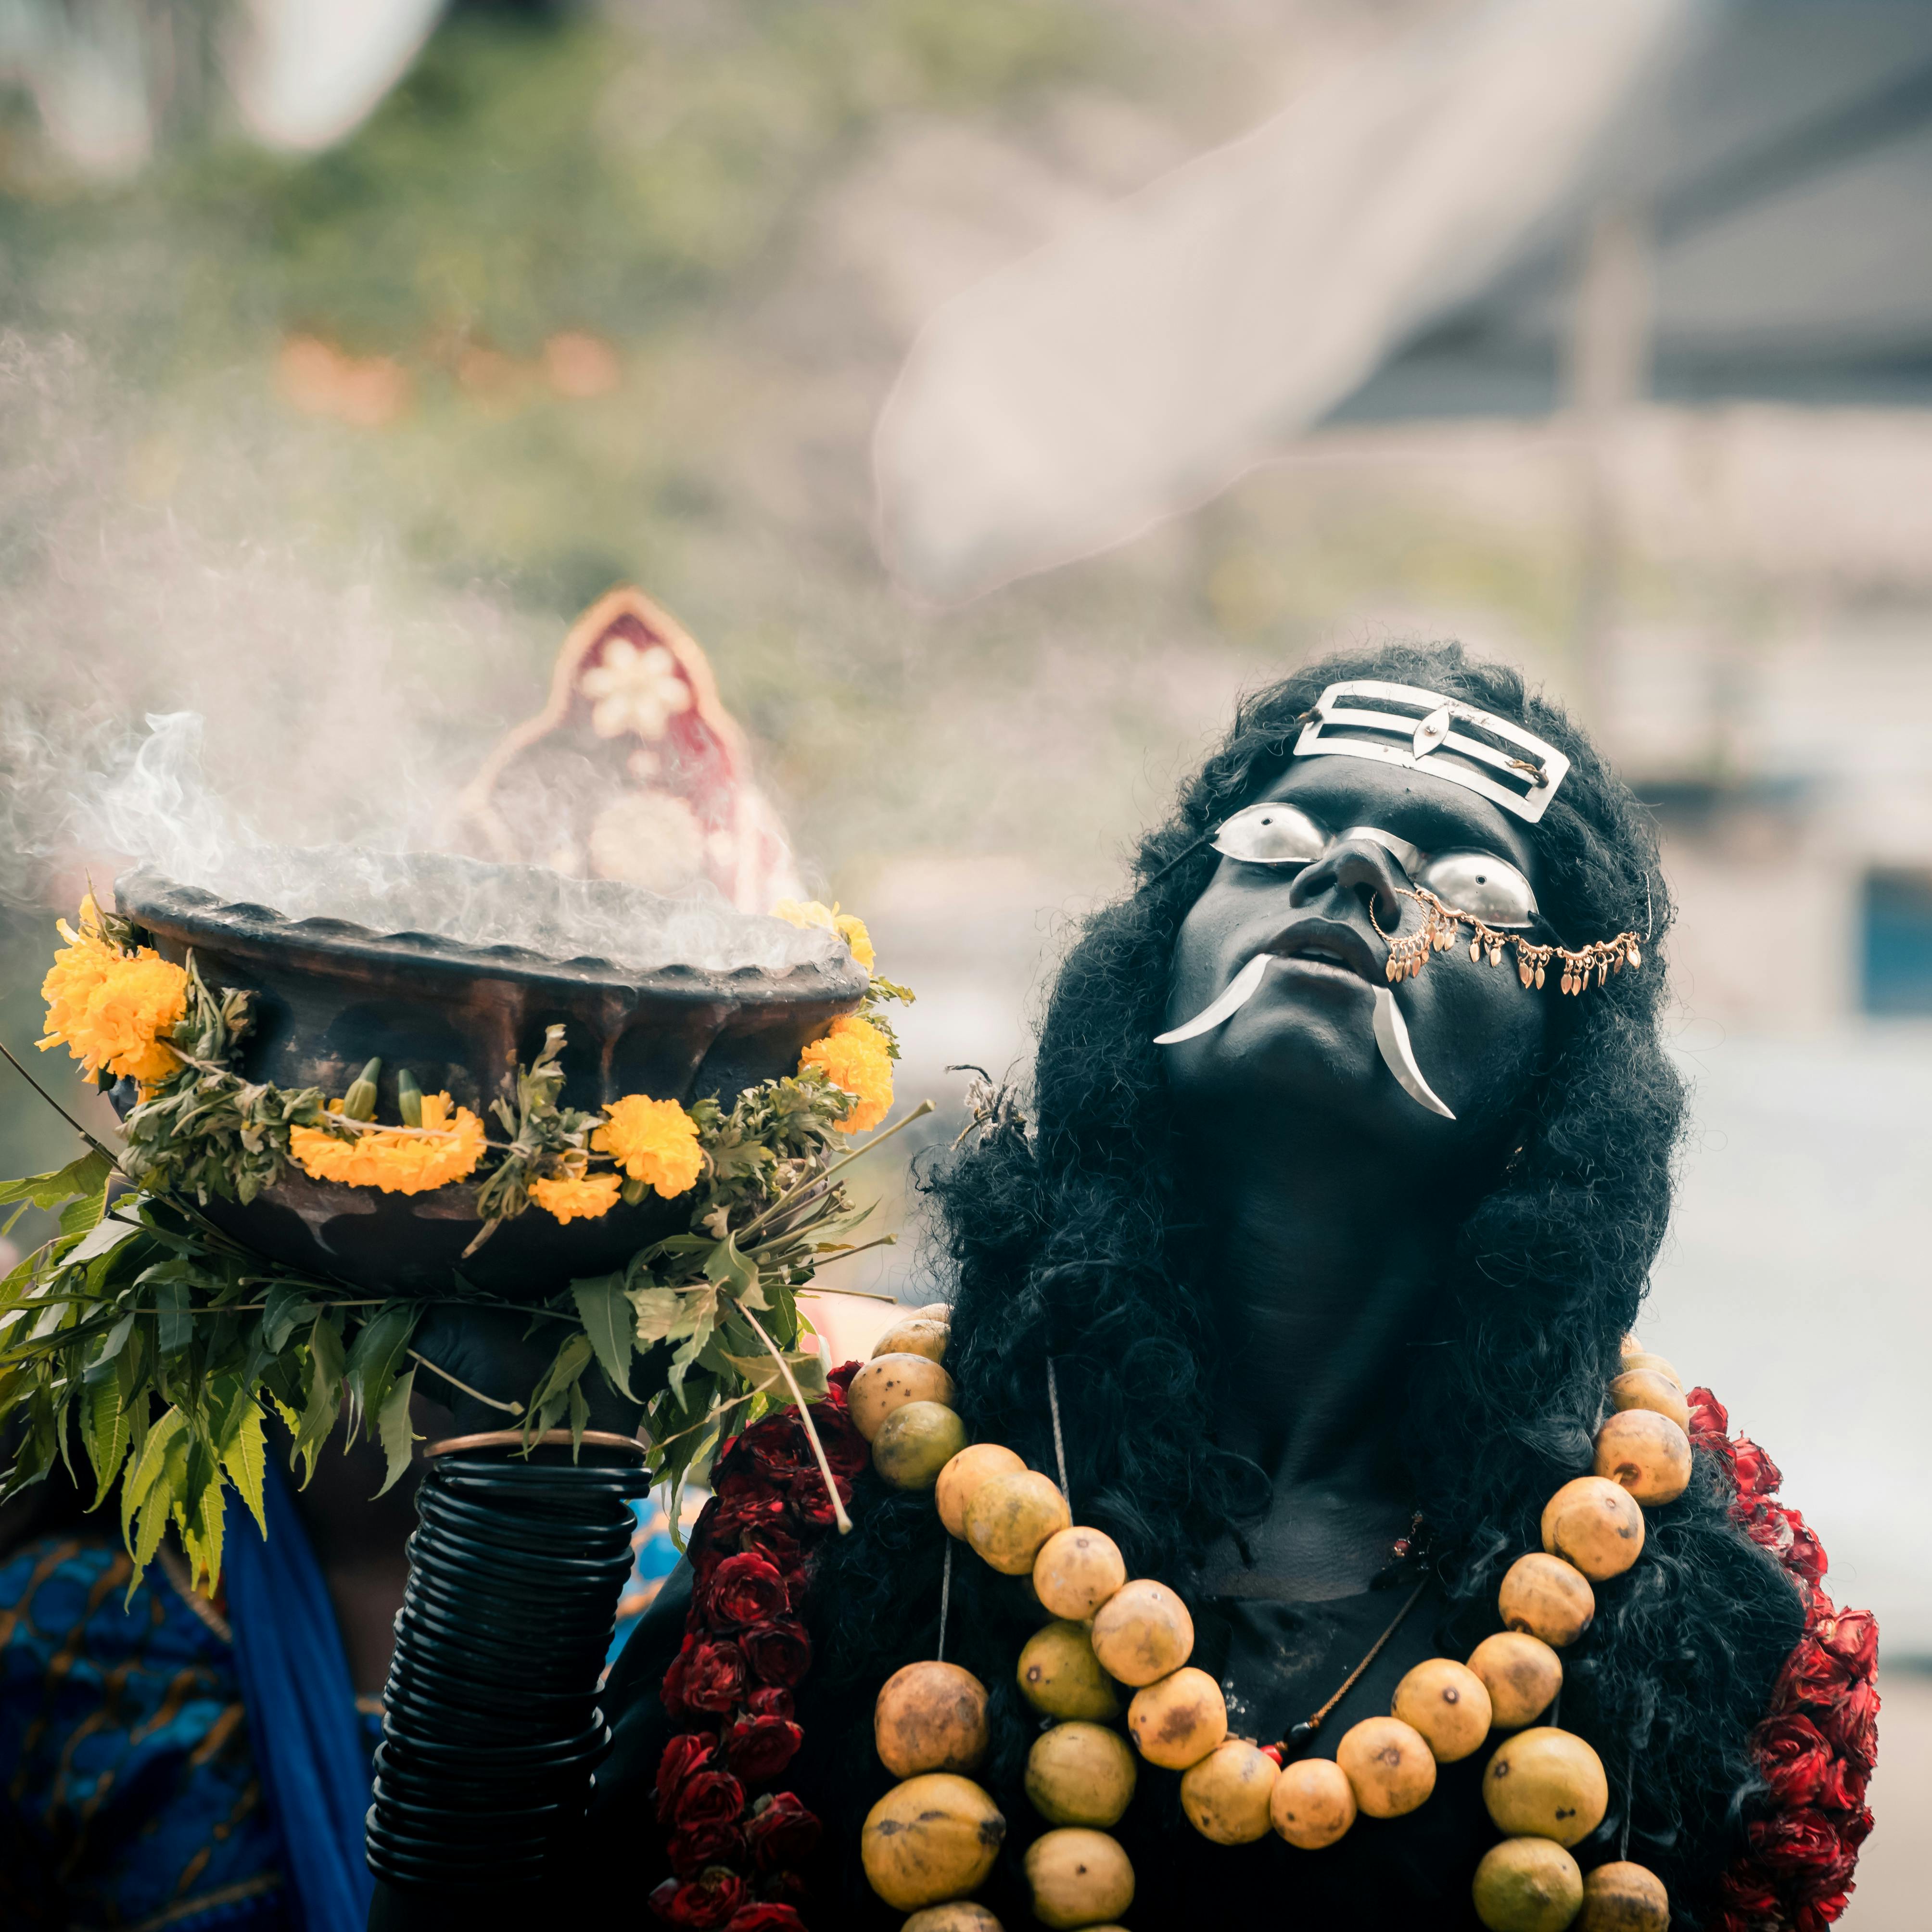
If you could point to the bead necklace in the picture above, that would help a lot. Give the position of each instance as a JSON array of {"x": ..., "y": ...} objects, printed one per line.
[{"x": 934, "y": 1838}]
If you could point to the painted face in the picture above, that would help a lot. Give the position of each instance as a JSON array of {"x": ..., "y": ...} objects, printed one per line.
[{"x": 1305, "y": 1036}]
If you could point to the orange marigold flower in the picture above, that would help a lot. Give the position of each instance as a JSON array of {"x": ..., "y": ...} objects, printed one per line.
[
  {"x": 585, "y": 1200},
  {"x": 848, "y": 926},
  {"x": 655, "y": 1141},
  {"x": 390, "y": 1158},
  {"x": 853, "y": 1055},
  {"x": 108, "y": 1007}
]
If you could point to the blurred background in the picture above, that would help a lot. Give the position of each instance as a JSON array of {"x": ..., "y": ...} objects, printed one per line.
[{"x": 994, "y": 391}]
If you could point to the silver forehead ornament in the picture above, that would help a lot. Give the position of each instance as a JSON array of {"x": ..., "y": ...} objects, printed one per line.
[{"x": 1422, "y": 730}]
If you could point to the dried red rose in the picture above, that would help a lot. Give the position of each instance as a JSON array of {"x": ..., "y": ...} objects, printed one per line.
[
  {"x": 1708, "y": 1416},
  {"x": 687, "y": 1752},
  {"x": 1806, "y": 1556},
  {"x": 746, "y": 1589},
  {"x": 1795, "y": 1758},
  {"x": 1851, "y": 1723},
  {"x": 1856, "y": 1829},
  {"x": 711, "y": 1679},
  {"x": 779, "y": 1652},
  {"x": 749, "y": 1514},
  {"x": 720, "y": 1842},
  {"x": 1796, "y": 1841},
  {"x": 769, "y": 1700},
  {"x": 707, "y": 1798},
  {"x": 765, "y": 1917},
  {"x": 1811, "y": 1676},
  {"x": 781, "y": 1830},
  {"x": 759, "y": 1748},
  {"x": 703, "y": 1902},
  {"x": 1852, "y": 1637},
  {"x": 840, "y": 1380},
  {"x": 1757, "y": 1475},
  {"x": 774, "y": 1541}
]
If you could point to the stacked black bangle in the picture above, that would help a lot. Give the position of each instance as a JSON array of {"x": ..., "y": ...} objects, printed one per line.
[{"x": 491, "y": 1732}]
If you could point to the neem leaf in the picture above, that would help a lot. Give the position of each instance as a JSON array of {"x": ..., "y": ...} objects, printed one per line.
[
  {"x": 176, "y": 1327},
  {"x": 611, "y": 1324},
  {"x": 392, "y": 1427},
  {"x": 243, "y": 1456},
  {"x": 85, "y": 1178}
]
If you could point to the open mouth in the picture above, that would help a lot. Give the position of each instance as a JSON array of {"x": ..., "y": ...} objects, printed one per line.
[{"x": 1326, "y": 947}]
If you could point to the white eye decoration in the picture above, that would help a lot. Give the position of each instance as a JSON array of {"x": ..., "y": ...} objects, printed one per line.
[
  {"x": 1480, "y": 883},
  {"x": 1271, "y": 833}
]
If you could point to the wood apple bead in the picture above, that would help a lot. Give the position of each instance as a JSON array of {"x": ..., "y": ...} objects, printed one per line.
[
  {"x": 1650, "y": 1388},
  {"x": 1388, "y": 1764},
  {"x": 961, "y": 1478},
  {"x": 1142, "y": 1632},
  {"x": 961, "y": 1915},
  {"x": 1548, "y": 1598},
  {"x": 1078, "y": 1877},
  {"x": 1521, "y": 1674},
  {"x": 1077, "y": 1571},
  {"x": 1059, "y": 1675},
  {"x": 1595, "y": 1524},
  {"x": 1623, "y": 1897},
  {"x": 930, "y": 1839},
  {"x": 1227, "y": 1795},
  {"x": 1645, "y": 1452},
  {"x": 1658, "y": 1364},
  {"x": 1546, "y": 1783},
  {"x": 886, "y": 1382},
  {"x": 1448, "y": 1703},
  {"x": 1527, "y": 1885},
  {"x": 1176, "y": 1722},
  {"x": 1081, "y": 1773},
  {"x": 1313, "y": 1803},
  {"x": 930, "y": 1717},
  {"x": 916, "y": 1336},
  {"x": 1010, "y": 1516}
]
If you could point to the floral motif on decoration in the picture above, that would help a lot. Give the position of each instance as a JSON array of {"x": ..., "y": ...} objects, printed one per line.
[
  {"x": 734, "y": 1855},
  {"x": 633, "y": 770},
  {"x": 1817, "y": 1749}
]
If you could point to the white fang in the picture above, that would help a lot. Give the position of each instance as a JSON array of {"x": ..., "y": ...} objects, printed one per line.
[
  {"x": 1392, "y": 1036},
  {"x": 1241, "y": 990}
]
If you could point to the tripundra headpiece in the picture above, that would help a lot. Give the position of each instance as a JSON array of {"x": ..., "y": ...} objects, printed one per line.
[{"x": 1403, "y": 725}]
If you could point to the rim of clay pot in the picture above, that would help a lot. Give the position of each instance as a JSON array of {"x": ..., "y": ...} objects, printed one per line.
[{"x": 150, "y": 898}]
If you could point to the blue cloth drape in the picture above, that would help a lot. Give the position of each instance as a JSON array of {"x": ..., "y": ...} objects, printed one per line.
[{"x": 301, "y": 1711}]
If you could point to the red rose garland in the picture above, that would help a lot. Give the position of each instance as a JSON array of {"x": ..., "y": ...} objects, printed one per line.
[
  {"x": 734, "y": 1857},
  {"x": 1817, "y": 1749}
]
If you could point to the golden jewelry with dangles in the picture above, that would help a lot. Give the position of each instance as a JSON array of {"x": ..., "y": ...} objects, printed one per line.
[{"x": 1409, "y": 952}]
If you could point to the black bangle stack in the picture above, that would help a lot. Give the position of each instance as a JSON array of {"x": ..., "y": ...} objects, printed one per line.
[{"x": 490, "y": 1729}]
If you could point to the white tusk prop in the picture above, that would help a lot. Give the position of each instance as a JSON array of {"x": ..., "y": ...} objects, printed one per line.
[
  {"x": 1392, "y": 1036},
  {"x": 1241, "y": 990}
]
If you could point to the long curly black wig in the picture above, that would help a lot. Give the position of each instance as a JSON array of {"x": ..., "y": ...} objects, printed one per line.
[{"x": 1072, "y": 1242}]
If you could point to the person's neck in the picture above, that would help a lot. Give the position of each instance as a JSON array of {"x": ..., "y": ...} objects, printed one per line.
[{"x": 1323, "y": 1268}]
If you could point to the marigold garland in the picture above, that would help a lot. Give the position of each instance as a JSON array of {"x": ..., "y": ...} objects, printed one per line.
[
  {"x": 1816, "y": 1751},
  {"x": 854, "y": 1054},
  {"x": 108, "y": 1007},
  {"x": 734, "y": 1858},
  {"x": 395, "y": 1161},
  {"x": 655, "y": 1141},
  {"x": 587, "y": 1197},
  {"x": 849, "y": 926}
]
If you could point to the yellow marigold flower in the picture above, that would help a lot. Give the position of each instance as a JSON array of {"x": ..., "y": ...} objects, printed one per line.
[
  {"x": 853, "y": 1055},
  {"x": 106, "y": 1007},
  {"x": 655, "y": 1141},
  {"x": 849, "y": 926},
  {"x": 586, "y": 1200},
  {"x": 396, "y": 1162}
]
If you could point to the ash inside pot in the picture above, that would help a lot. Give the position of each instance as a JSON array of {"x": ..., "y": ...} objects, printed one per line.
[{"x": 483, "y": 904}]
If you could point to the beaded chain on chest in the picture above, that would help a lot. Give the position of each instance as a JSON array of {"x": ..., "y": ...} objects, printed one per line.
[{"x": 1113, "y": 1642}]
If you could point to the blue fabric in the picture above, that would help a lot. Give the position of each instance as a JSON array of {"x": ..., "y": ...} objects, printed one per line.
[
  {"x": 308, "y": 1741},
  {"x": 129, "y": 1794}
]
